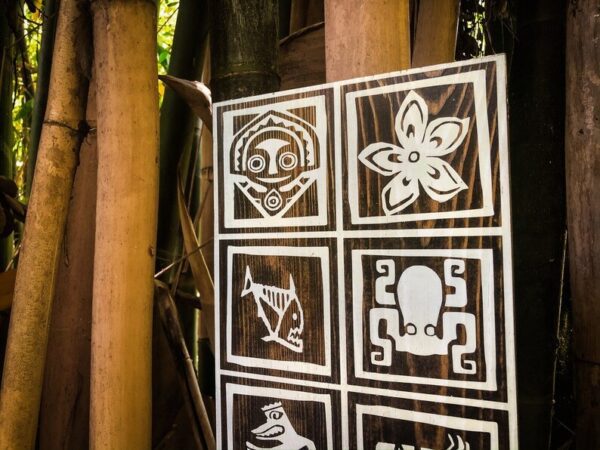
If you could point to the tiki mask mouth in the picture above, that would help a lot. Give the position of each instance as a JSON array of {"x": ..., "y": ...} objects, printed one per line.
[
  {"x": 268, "y": 431},
  {"x": 274, "y": 179}
]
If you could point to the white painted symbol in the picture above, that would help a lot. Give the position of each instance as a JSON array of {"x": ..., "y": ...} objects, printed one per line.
[
  {"x": 279, "y": 428},
  {"x": 420, "y": 299},
  {"x": 460, "y": 444},
  {"x": 274, "y": 161},
  {"x": 416, "y": 162},
  {"x": 284, "y": 315}
]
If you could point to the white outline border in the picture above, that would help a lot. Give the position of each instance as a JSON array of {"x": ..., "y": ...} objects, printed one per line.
[
  {"x": 505, "y": 231},
  {"x": 229, "y": 221},
  {"x": 458, "y": 423},
  {"x": 487, "y": 319},
  {"x": 291, "y": 366},
  {"x": 283, "y": 394},
  {"x": 477, "y": 78}
]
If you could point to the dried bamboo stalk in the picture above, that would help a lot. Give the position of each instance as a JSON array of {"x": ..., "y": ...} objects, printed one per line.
[
  {"x": 62, "y": 134},
  {"x": 126, "y": 217}
]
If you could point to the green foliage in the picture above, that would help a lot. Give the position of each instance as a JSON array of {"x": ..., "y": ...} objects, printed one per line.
[
  {"x": 27, "y": 66},
  {"x": 167, "y": 18}
]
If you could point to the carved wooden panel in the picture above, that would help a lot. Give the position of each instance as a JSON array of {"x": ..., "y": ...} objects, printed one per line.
[{"x": 363, "y": 264}]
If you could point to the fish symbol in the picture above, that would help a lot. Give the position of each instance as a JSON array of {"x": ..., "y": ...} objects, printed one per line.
[
  {"x": 279, "y": 428},
  {"x": 283, "y": 316}
]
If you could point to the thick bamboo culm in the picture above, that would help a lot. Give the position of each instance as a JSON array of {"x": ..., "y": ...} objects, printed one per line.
[
  {"x": 59, "y": 146},
  {"x": 366, "y": 38},
  {"x": 126, "y": 215},
  {"x": 435, "y": 34}
]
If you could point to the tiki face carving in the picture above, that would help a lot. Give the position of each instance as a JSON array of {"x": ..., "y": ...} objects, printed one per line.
[
  {"x": 279, "y": 428},
  {"x": 274, "y": 161}
]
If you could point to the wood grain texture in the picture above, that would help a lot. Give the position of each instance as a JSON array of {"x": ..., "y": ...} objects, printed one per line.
[
  {"x": 302, "y": 58},
  {"x": 356, "y": 353},
  {"x": 365, "y": 38},
  {"x": 583, "y": 209},
  {"x": 435, "y": 35}
]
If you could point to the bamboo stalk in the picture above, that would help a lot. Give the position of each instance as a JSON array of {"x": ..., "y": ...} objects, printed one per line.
[
  {"x": 243, "y": 48},
  {"x": 59, "y": 145},
  {"x": 126, "y": 217},
  {"x": 64, "y": 413},
  {"x": 435, "y": 37},
  {"x": 583, "y": 211},
  {"x": 366, "y": 38},
  {"x": 41, "y": 91},
  {"x": 170, "y": 322},
  {"x": 6, "y": 124}
]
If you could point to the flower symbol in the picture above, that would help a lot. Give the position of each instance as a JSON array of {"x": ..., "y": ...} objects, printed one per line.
[{"x": 417, "y": 160}]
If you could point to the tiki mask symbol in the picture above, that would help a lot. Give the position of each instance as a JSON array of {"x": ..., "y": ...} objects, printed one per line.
[
  {"x": 279, "y": 428},
  {"x": 280, "y": 311},
  {"x": 274, "y": 161}
]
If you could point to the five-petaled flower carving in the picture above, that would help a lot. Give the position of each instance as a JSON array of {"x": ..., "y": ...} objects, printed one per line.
[{"x": 417, "y": 160}]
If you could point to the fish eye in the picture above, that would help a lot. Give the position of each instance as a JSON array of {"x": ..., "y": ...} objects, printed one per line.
[
  {"x": 256, "y": 163},
  {"x": 275, "y": 415},
  {"x": 294, "y": 316},
  {"x": 411, "y": 329},
  {"x": 288, "y": 160}
]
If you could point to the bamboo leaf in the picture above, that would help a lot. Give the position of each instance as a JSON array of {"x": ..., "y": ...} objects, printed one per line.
[
  {"x": 7, "y": 288},
  {"x": 195, "y": 94}
]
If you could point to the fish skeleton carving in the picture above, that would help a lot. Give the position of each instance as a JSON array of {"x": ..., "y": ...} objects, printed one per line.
[
  {"x": 283, "y": 316},
  {"x": 279, "y": 428}
]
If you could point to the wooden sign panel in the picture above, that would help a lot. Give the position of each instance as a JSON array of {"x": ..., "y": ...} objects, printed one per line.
[{"x": 363, "y": 264}]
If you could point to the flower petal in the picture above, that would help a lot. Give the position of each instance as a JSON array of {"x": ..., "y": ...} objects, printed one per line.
[
  {"x": 400, "y": 192},
  {"x": 440, "y": 180},
  {"x": 383, "y": 158},
  {"x": 411, "y": 120},
  {"x": 445, "y": 134}
]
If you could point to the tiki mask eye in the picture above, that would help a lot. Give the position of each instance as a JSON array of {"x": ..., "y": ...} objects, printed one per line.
[
  {"x": 411, "y": 330},
  {"x": 275, "y": 415},
  {"x": 256, "y": 163},
  {"x": 430, "y": 330},
  {"x": 288, "y": 160}
]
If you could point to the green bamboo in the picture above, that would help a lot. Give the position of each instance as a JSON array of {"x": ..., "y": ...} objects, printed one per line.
[
  {"x": 6, "y": 127},
  {"x": 41, "y": 91},
  {"x": 177, "y": 124},
  {"x": 244, "y": 48}
]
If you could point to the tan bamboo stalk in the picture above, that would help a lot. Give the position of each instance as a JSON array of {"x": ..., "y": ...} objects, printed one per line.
[
  {"x": 583, "y": 210},
  {"x": 435, "y": 36},
  {"x": 64, "y": 412},
  {"x": 126, "y": 215},
  {"x": 365, "y": 38},
  {"x": 61, "y": 137}
]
